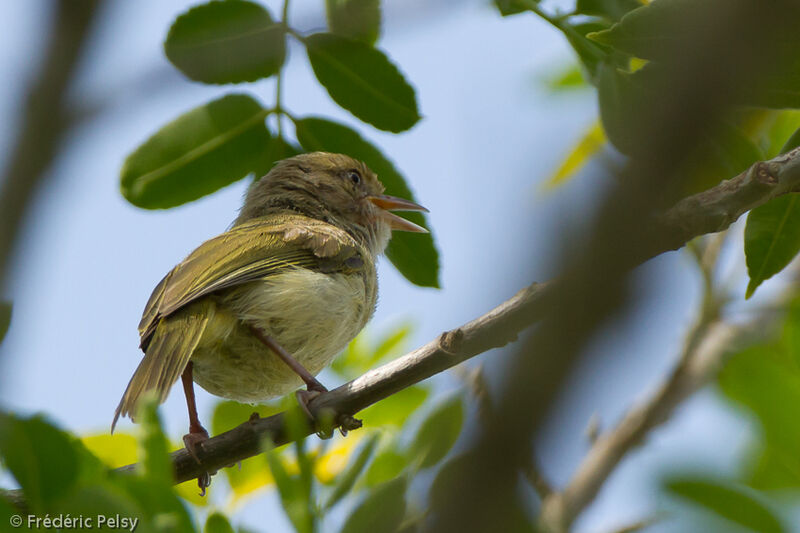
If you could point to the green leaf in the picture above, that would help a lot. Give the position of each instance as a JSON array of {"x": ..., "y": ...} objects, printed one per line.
[
  {"x": 388, "y": 464},
  {"x": 107, "y": 499},
  {"x": 765, "y": 379},
  {"x": 217, "y": 523},
  {"x": 777, "y": 131},
  {"x": 252, "y": 474},
  {"x": 511, "y": 7},
  {"x": 772, "y": 234},
  {"x": 611, "y": 9},
  {"x": 356, "y": 19},
  {"x": 391, "y": 342},
  {"x": 156, "y": 464},
  {"x": 158, "y": 503},
  {"x": 771, "y": 239},
  {"x": 5, "y": 319},
  {"x": 438, "y": 432},
  {"x": 664, "y": 30},
  {"x": 248, "y": 478},
  {"x": 348, "y": 478},
  {"x": 772, "y": 468},
  {"x": 723, "y": 153},
  {"x": 226, "y": 42},
  {"x": 7, "y": 510},
  {"x": 728, "y": 501},
  {"x": 413, "y": 254},
  {"x": 654, "y": 31},
  {"x": 292, "y": 493},
  {"x": 229, "y": 414},
  {"x": 198, "y": 153},
  {"x": 590, "y": 53},
  {"x": 590, "y": 143},
  {"x": 395, "y": 410},
  {"x": 382, "y": 510},
  {"x": 359, "y": 357},
  {"x": 792, "y": 142},
  {"x": 565, "y": 79},
  {"x": 621, "y": 101},
  {"x": 40, "y": 457},
  {"x": 362, "y": 80}
]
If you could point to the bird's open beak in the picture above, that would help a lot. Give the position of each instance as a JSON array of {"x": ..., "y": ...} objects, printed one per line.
[{"x": 392, "y": 203}]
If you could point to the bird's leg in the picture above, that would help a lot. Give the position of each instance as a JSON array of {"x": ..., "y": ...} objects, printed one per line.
[
  {"x": 314, "y": 387},
  {"x": 197, "y": 433},
  {"x": 311, "y": 382}
]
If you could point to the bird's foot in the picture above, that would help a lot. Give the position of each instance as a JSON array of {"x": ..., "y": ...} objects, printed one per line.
[
  {"x": 348, "y": 423},
  {"x": 193, "y": 441},
  {"x": 345, "y": 422}
]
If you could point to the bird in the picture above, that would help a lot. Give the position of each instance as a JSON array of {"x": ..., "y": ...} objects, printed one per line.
[{"x": 262, "y": 308}]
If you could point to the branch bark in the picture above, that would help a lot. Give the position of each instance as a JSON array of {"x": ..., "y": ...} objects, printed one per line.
[
  {"x": 45, "y": 119},
  {"x": 710, "y": 211}
]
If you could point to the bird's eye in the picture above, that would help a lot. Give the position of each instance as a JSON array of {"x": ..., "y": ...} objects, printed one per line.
[{"x": 354, "y": 176}]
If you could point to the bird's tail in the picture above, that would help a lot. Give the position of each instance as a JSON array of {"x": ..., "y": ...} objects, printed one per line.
[{"x": 167, "y": 355}]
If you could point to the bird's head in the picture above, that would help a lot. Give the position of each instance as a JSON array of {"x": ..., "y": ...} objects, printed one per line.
[{"x": 334, "y": 188}]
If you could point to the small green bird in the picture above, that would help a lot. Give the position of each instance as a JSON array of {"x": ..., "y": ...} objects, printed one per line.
[{"x": 256, "y": 311}]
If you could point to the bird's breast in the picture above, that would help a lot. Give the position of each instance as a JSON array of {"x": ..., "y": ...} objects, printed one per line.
[{"x": 311, "y": 314}]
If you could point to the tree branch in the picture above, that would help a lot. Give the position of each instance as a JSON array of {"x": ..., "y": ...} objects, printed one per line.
[
  {"x": 496, "y": 328},
  {"x": 45, "y": 119},
  {"x": 705, "y": 349},
  {"x": 695, "y": 369},
  {"x": 710, "y": 211}
]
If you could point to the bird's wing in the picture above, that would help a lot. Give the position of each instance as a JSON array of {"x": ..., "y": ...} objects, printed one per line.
[
  {"x": 248, "y": 252},
  {"x": 245, "y": 253}
]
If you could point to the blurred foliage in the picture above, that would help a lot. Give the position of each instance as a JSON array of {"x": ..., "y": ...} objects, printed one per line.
[
  {"x": 227, "y": 139},
  {"x": 5, "y": 319},
  {"x": 621, "y": 47},
  {"x": 727, "y": 501},
  {"x": 762, "y": 380},
  {"x": 771, "y": 238},
  {"x": 565, "y": 79},
  {"x": 59, "y": 476},
  {"x": 765, "y": 380},
  {"x": 357, "y": 19},
  {"x": 591, "y": 142}
]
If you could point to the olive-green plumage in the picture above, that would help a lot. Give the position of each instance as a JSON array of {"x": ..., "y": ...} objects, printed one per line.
[{"x": 298, "y": 264}]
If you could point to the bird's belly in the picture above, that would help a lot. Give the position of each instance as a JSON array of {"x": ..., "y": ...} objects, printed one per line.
[{"x": 311, "y": 315}]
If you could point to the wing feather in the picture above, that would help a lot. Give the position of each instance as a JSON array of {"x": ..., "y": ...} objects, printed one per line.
[
  {"x": 168, "y": 353},
  {"x": 248, "y": 252}
]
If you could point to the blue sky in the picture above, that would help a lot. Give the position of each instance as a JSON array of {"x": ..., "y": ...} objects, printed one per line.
[{"x": 491, "y": 133}]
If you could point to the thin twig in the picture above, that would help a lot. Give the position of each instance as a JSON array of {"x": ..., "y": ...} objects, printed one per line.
[{"x": 706, "y": 349}]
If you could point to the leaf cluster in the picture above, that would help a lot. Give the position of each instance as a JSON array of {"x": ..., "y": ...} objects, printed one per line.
[
  {"x": 763, "y": 381},
  {"x": 229, "y": 139},
  {"x": 630, "y": 51}
]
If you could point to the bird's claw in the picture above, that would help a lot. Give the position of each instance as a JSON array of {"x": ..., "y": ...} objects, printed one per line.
[
  {"x": 192, "y": 441},
  {"x": 344, "y": 422},
  {"x": 348, "y": 423}
]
